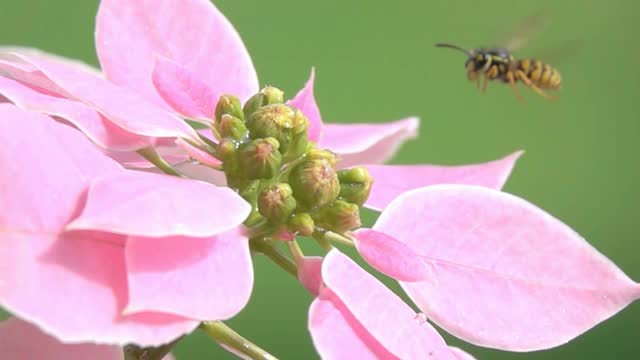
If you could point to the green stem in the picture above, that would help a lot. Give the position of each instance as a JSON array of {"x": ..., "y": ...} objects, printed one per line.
[
  {"x": 270, "y": 251},
  {"x": 322, "y": 241},
  {"x": 132, "y": 352},
  {"x": 295, "y": 250},
  {"x": 153, "y": 157},
  {"x": 224, "y": 335},
  {"x": 337, "y": 238},
  {"x": 208, "y": 141}
]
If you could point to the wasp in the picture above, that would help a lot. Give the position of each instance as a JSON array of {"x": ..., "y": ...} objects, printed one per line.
[{"x": 498, "y": 63}]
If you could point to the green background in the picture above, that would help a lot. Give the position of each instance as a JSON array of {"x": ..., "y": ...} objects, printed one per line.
[{"x": 376, "y": 62}]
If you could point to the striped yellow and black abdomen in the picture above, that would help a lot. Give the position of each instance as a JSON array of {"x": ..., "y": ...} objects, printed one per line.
[{"x": 542, "y": 75}]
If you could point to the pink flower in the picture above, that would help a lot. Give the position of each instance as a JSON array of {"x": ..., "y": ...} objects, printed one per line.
[
  {"x": 21, "y": 340},
  {"x": 356, "y": 317},
  {"x": 163, "y": 60},
  {"x": 92, "y": 252},
  {"x": 493, "y": 269}
]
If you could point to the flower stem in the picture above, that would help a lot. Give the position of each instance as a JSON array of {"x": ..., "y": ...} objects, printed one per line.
[
  {"x": 322, "y": 241},
  {"x": 132, "y": 352},
  {"x": 295, "y": 250},
  {"x": 337, "y": 238},
  {"x": 225, "y": 336},
  {"x": 153, "y": 157},
  {"x": 269, "y": 250}
]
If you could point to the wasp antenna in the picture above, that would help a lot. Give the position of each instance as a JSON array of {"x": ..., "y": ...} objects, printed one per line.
[{"x": 455, "y": 47}]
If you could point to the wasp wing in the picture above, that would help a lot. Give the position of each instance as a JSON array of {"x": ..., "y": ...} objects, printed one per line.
[{"x": 524, "y": 31}]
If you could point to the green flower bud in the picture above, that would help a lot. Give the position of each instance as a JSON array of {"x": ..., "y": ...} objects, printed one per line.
[
  {"x": 302, "y": 224},
  {"x": 225, "y": 149},
  {"x": 320, "y": 154},
  {"x": 314, "y": 183},
  {"x": 272, "y": 95},
  {"x": 339, "y": 216},
  {"x": 267, "y": 96},
  {"x": 229, "y": 104},
  {"x": 260, "y": 159},
  {"x": 253, "y": 104},
  {"x": 276, "y": 120},
  {"x": 231, "y": 126},
  {"x": 299, "y": 145},
  {"x": 355, "y": 185},
  {"x": 277, "y": 203},
  {"x": 300, "y": 122}
]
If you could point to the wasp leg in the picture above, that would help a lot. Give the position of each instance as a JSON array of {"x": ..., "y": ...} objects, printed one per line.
[
  {"x": 490, "y": 75},
  {"x": 485, "y": 81},
  {"x": 512, "y": 82},
  {"x": 523, "y": 77}
]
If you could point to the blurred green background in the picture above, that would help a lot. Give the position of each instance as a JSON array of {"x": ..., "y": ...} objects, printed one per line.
[{"x": 376, "y": 62}]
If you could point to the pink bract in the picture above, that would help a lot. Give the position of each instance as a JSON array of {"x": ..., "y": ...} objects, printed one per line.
[
  {"x": 91, "y": 284},
  {"x": 22, "y": 340},
  {"x": 502, "y": 272},
  {"x": 162, "y": 58},
  {"x": 357, "y": 317}
]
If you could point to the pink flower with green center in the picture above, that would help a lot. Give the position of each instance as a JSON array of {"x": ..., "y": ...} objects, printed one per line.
[{"x": 97, "y": 254}]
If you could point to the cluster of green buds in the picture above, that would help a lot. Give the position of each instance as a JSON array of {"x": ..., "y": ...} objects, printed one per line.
[{"x": 292, "y": 185}]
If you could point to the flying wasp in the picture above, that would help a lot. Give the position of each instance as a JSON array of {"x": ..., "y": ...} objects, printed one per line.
[{"x": 499, "y": 63}]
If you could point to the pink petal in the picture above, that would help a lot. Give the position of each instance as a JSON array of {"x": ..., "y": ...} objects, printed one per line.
[
  {"x": 336, "y": 335},
  {"x": 360, "y": 144},
  {"x": 125, "y": 108},
  {"x": 100, "y": 130},
  {"x": 183, "y": 89},
  {"x": 375, "y": 314},
  {"x": 310, "y": 274},
  {"x": 198, "y": 155},
  {"x": 192, "y": 33},
  {"x": 72, "y": 285},
  {"x": 389, "y": 256},
  {"x": 22, "y": 340},
  {"x": 15, "y": 67},
  {"x": 199, "y": 278},
  {"x": 172, "y": 206},
  {"x": 506, "y": 274},
  {"x": 460, "y": 354},
  {"x": 306, "y": 102},
  {"x": 393, "y": 180}
]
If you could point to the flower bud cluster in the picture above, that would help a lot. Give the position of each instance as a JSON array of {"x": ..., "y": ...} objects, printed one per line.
[{"x": 291, "y": 184}]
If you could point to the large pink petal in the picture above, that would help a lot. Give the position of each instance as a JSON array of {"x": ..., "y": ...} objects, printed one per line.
[
  {"x": 100, "y": 130},
  {"x": 506, "y": 274},
  {"x": 336, "y": 335},
  {"x": 461, "y": 354},
  {"x": 199, "y": 278},
  {"x": 373, "y": 310},
  {"x": 305, "y": 101},
  {"x": 390, "y": 256},
  {"x": 393, "y": 180},
  {"x": 15, "y": 67},
  {"x": 125, "y": 108},
  {"x": 360, "y": 144},
  {"x": 72, "y": 285},
  {"x": 192, "y": 33},
  {"x": 155, "y": 205},
  {"x": 184, "y": 90},
  {"x": 22, "y": 340}
]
